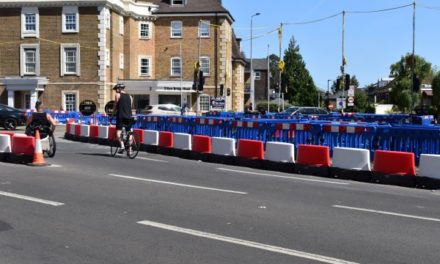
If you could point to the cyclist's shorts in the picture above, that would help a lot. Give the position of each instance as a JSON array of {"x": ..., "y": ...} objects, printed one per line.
[{"x": 124, "y": 122}]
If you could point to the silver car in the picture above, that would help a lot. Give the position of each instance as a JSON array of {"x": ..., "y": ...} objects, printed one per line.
[{"x": 305, "y": 110}]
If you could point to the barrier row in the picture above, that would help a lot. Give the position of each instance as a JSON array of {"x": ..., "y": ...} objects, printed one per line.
[
  {"x": 17, "y": 148},
  {"x": 390, "y": 167}
]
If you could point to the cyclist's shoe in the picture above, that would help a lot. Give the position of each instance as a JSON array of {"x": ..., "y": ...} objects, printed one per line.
[{"x": 121, "y": 151}]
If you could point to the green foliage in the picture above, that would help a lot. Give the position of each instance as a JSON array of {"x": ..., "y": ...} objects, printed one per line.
[
  {"x": 296, "y": 79},
  {"x": 436, "y": 91},
  {"x": 262, "y": 107},
  {"x": 402, "y": 94},
  {"x": 353, "y": 81},
  {"x": 370, "y": 109},
  {"x": 360, "y": 101}
]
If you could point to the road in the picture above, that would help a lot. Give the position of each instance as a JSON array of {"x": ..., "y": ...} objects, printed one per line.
[{"x": 91, "y": 208}]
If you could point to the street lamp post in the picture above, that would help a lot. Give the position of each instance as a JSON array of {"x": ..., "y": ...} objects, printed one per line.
[{"x": 252, "y": 91}]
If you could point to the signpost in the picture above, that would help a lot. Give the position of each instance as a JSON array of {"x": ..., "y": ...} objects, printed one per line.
[
  {"x": 109, "y": 108},
  {"x": 218, "y": 103},
  {"x": 87, "y": 107}
]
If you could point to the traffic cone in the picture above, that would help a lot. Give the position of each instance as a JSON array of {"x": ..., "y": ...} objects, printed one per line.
[{"x": 38, "y": 153}]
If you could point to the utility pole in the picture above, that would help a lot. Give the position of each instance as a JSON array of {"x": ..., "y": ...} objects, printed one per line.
[
  {"x": 198, "y": 69},
  {"x": 181, "y": 76},
  {"x": 413, "y": 66},
  {"x": 280, "y": 44},
  {"x": 268, "y": 79},
  {"x": 343, "y": 61}
]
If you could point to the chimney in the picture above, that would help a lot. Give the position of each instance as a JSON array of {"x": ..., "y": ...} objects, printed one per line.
[{"x": 238, "y": 43}]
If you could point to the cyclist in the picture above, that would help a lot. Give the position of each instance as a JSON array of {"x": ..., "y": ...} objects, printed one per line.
[
  {"x": 42, "y": 119},
  {"x": 123, "y": 112}
]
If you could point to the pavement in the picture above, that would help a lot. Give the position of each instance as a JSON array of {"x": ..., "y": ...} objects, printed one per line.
[{"x": 88, "y": 207}]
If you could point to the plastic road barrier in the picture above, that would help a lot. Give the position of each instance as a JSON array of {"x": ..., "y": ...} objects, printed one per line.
[
  {"x": 251, "y": 149},
  {"x": 280, "y": 152}
]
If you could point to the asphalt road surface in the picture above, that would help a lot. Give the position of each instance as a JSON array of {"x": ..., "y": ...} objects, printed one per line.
[{"x": 91, "y": 208}]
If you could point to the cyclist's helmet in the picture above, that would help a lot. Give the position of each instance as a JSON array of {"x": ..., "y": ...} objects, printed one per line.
[{"x": 119, "y": 86}]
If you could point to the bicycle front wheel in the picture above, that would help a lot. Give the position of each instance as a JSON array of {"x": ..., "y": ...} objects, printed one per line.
[
  {"x": 135, "y": 146},
  {"x": 114, "y": 148}
]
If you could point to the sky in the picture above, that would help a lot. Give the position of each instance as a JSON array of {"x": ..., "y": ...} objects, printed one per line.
[{"x": 372, "y": 41}]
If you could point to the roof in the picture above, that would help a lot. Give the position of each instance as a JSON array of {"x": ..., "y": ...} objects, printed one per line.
[
  {"x": 191, "y": 6},
  {"x": 237, "y": 55},
  {"x": 257, "y": 64}
]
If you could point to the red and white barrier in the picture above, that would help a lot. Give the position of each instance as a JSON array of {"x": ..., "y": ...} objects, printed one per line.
[
  {"x": 289, "y": 126},
  {"x": 245, "y": 124},
  {"x": 201, "y": 144},
  {"x": 223, "y": 146},
  {"x": 23, "y": 145},
  {"x": 166, "y": 139},
  {"x": 430, "y": 166},
  {"x": 394, "y": 162},
  {"x": 151, "y": 137},
  {"x": 344, "y": 129},
  {"x": 280, "y": 152},
  {"x": 182, "y": 141},
  {"x": 206, "y": 121},
  {"x": 103, "y": 132},
  {"x": 251, "y": 149},
  {"x": 5, "y": 144},
  {"x": 85, "y": 131},
  {"x": 311, "y": 155},
  {"x": 351, "y": 159}
]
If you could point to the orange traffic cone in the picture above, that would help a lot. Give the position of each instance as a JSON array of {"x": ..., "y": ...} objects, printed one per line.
[{"x": 38, "y": 153}]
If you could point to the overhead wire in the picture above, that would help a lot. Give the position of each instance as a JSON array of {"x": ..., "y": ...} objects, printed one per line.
[{"x": 379, "y": 10}]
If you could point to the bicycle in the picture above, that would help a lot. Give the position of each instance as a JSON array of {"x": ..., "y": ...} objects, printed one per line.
[{"x": 131, "y": 144}]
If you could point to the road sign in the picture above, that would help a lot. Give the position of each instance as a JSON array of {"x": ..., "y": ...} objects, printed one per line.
[
  {"x": 351, "y": 90},
  {"x": 87, "y": 107},
  {"x": 350, "y": 101},
  {"x": 340, "y": 103},
  {"x": 109, "y": 108},
  {"x": 218, "y": 103}
]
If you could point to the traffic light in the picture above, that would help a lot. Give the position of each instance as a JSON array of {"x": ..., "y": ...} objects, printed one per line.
[
  {"x": 201, "y": 81},
  {"x": 338, "y": 84},
  {"x": 222, "y": 87},
  {"x": 347, "y": 82},
  {"x": 196, "y": 79}
]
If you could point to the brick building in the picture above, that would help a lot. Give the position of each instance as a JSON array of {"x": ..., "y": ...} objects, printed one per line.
[
  {"x": 260, "y": 80},
  {"x": 64, "y": 52}
]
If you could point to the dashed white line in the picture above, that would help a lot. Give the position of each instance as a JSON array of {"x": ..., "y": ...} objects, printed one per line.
[
  {"x": 154, "y": 160},
  {"x": 387, "y": 213},
  {"x": 281, "y": 176},
  {"x": 29, "y": 198},
  {"x": 247, "y": 243},
  {"x": 176, "y": 184}
]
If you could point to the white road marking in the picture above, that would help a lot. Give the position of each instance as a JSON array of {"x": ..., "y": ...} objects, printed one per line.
[
  {"x": 29, "y": 198},
  {"x": 387, "y": 213},
  {"x": 55, "y": 166},
  {"x": 177, "y": 184},
  {"x": 155, "y": 160},
  {"x": 247, "y": 243},
  {"x": 281, "y": 177}
]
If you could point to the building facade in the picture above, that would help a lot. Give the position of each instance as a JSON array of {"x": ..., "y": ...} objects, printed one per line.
[
  {"x": 64, "y": 52},
  {"x": 261, "y": 84}
]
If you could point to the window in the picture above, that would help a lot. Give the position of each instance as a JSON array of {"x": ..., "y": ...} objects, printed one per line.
[
  {"x": 70, "y": 59},
  {"x": 204, "y": 103},
  {"x": 29, "y": 22},
  {"x": 121, "y": 25},
  {"x": 177, "y": 2},
  {"x": 176, "y": 29},
  {"x": 257, "y": 75},
  {"x": 144, "y": 30},
  {"x": 29, "y": 59},
  {"x": 176, "y": 69},
  {"x": 204, "y": 29},
  {"x": 121, "y": 61},
  {"x": 204, "y": 65},
  {"x": 70, "y": 19},
  {"x": 144, "y": 66},
  {"x": 70, "y": 101}
]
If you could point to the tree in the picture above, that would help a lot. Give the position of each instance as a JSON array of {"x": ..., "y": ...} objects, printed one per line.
[
  {"x": 402, "y": 93},
  {"x": 436, "y": 92},
  {"x": 360, "y": 101},
  {"x": 296, "y": 79}
]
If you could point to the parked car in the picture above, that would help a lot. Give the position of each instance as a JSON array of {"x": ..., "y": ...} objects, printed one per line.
[
  {"x": 11, "y": 117},
  {"x": 161, "y": 109},
  {"x": 305, "y": 110}
]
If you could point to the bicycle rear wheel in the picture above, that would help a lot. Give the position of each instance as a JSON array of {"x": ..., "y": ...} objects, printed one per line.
[
  {"x": 52, "y": 147},
  {"x": 114, "y": 148},
  {"x": 135, "y": 146}
]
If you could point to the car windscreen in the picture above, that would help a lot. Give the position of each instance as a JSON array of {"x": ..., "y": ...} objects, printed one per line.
[{"x": 291, "y": 109}]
